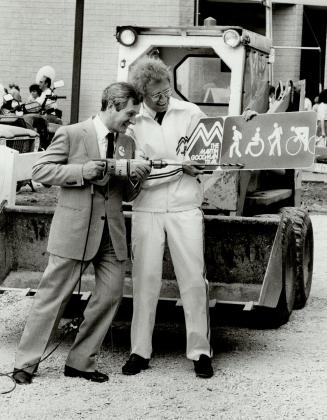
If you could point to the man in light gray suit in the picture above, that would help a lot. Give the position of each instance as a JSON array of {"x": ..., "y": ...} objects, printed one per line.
[{"x": 88, "y": 226}]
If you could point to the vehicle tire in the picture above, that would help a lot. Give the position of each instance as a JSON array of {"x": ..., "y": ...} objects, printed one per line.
[
  {"x": 275, "y": 317},
  {"x": 304, "y": 253}
]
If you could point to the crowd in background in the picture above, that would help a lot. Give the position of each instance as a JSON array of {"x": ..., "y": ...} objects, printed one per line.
[
  {"x": 318, "y": 105},
  {"x": 14, "y": 90}
]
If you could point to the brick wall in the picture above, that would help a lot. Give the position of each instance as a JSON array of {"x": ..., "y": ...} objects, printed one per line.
[
  {"x": 24, "y": 49},
  {"x": 35, "y": 33},
  {"x": 100, "y": 48},
  {"x": 287, "y": 31},
  {"x": 186, "y": 12}
]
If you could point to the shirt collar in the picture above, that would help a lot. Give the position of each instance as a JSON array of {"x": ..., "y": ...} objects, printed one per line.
[
  {"x": 100, "y": 128},
  {"x": 148, "y": 112}
]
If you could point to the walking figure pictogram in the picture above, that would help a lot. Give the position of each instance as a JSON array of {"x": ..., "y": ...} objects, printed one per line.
[
  {"x": 235, "y": 147},
  {"x": 276, "y": 137}
]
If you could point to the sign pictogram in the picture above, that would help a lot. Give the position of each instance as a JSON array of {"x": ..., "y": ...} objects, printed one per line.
[{"x": 267, "y": 141}]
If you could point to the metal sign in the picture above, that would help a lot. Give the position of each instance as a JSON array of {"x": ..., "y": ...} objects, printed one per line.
[{"x": 267, "y": 141}]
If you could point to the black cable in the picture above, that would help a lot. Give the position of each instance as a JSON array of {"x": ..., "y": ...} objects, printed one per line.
[
  {"x": 67, "y": 328},
  {"x": 86, "y": 241}
]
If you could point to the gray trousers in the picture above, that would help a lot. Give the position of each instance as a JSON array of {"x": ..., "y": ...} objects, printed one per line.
[{"x": 55, "y": 289}]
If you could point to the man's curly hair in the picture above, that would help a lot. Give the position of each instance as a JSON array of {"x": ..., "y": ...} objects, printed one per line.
[{"x": 146, "y": 70}]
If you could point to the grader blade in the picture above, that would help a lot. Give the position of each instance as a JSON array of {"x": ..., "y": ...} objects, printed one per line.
[{"x": 250, "y": 261}]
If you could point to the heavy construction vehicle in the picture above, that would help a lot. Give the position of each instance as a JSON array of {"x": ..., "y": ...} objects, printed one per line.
[{"x": 258, "y": 242}]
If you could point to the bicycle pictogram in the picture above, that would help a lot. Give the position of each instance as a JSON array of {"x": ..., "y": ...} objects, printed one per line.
[{"x": 299, "y": 141}]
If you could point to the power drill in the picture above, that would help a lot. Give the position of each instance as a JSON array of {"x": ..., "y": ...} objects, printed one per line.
[{"x": 124, "y": 167}]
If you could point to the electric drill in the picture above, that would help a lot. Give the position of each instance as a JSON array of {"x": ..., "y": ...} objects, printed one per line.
[{"x": 124, "y": 167}]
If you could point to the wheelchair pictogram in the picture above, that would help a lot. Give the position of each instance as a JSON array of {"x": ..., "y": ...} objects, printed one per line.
[{"x": 256, "y": 146}]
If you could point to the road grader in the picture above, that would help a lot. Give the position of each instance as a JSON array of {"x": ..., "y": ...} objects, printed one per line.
[{"x": 258, "y": 240}]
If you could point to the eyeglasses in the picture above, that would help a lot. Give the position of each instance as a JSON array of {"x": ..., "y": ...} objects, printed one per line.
[{"x": 157, "y": 96}]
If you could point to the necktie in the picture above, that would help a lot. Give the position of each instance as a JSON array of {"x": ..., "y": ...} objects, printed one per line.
[
  {"x": 110, "y": 147},
  {"x": 159, "y": 117},
  {"x": 109, "y": 154}
]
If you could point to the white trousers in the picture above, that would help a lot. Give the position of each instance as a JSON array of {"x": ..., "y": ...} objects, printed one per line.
[{"x": 184, "y": 232}]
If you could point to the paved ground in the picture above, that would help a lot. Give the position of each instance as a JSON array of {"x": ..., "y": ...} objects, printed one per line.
[{"x": 259, "y": 374}]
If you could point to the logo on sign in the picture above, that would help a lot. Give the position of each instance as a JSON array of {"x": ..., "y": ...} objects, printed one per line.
[{"x": 205, "y": 142}]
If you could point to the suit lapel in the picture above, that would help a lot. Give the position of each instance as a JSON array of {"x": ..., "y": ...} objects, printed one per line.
[{"x": 90, "y": 140}]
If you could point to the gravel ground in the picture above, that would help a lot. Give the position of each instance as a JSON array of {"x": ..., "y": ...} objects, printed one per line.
[{"x": 259, "y": 374}]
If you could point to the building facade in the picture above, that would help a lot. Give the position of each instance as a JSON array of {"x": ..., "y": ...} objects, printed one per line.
[{"x": 38, "y": 33}]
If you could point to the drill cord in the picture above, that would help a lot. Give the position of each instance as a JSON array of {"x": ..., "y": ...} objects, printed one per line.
[{"x": 67, "y": 328}]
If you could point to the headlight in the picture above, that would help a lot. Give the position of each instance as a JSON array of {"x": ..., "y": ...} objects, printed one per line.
[
  {"x": 126, "y": 35},
  {"x": 231, "y": 38}
]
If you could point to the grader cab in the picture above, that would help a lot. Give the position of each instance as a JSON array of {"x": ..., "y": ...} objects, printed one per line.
[{"x": 258, "y": 242}]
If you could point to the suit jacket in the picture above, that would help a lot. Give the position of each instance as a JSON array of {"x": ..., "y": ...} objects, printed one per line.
[{"x": 61, "y": 165}]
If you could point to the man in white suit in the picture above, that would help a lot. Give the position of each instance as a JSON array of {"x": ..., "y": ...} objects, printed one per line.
[
  {"x": 88, "y": 226},
  {"x": 167, "y": 208}
]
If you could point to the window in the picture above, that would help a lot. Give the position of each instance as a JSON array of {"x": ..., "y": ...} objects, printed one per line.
[{"x": 203, "y": 80}]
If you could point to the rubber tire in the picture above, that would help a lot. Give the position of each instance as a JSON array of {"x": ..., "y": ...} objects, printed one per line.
[
  {"x": 304, "y": 253},
  {"x": 274, "y": 318}
]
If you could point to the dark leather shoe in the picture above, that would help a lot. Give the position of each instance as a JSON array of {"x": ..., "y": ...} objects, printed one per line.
[
  {"x": 202, "y": 367},
  {"x": 90, "y": 376},
  {"x": 135, "y": 364},
  {"x": 21, "y": 377}
]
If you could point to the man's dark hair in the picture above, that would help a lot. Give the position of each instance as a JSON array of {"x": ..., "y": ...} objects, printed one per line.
[
  {"x": 47, "y": 80},
  {"x": 119, "y": 94},
  {"x": 36, "y": 88}
]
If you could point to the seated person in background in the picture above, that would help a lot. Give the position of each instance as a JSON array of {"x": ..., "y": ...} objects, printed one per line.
[
  {"x": 315, "y": 103},
  {"x": 2, "y": 94},
  {"x": 307, "y": 104},
  {"x": 14, "y": 90},
  {"x": 45, "y": 87},
  {"x": 322, "y": 114},
  {"x": 50, "y": 105},
  {"x": 272, "y": 95},
  {"x": 35, "y": 92}
]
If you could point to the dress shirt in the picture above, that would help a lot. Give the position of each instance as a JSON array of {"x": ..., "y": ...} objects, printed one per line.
[{"x": 101, "y": 131}]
